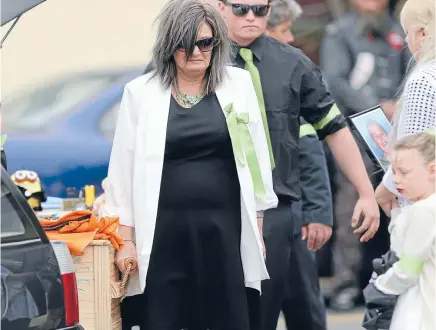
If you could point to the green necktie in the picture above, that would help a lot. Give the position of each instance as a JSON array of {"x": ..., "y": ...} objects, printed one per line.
[{"x": 247, "y": 56}]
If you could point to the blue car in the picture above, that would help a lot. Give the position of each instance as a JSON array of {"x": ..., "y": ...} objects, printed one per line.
[{"x": 64, "y": 131}]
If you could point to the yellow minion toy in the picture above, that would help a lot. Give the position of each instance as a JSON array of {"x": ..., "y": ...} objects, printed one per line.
[{"x": 30, "y": 184}]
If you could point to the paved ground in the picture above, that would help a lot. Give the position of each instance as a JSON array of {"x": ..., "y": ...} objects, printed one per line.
[{"x": 347, "y": 321}]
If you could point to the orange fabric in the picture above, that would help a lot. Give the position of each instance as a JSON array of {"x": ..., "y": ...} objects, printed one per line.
[
  {"x": 78, "y": 228},
  {"x": 107, "y": 229},
  {"x": 76, "y": 242}
]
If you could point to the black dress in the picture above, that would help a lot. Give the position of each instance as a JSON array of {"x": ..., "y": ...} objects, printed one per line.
[{"x": 195, "y": 279}]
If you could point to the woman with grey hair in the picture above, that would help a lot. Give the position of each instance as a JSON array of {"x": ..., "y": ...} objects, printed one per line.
[
  {"x": 189, "y": 178},
  {"x": 282, "y": 15}
]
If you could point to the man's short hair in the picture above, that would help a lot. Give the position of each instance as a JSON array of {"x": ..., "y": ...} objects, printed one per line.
[{"x": 282, "y": 11}]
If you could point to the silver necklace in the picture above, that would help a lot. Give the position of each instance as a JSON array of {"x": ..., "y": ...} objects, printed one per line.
[{"x": 188, "y": 101}]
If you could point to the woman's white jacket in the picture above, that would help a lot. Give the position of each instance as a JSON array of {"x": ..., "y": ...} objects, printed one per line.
[{"x": 136, "y": 162}]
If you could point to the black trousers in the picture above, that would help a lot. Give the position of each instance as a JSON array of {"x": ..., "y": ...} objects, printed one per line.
[
  {"x": 303, "y": 306},
  {"x": 293, "y": 286},
  {"x": 278, "y": 237}
]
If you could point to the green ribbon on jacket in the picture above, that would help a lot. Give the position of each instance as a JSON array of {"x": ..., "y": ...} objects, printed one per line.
[
  {"x": 237, "y": 124},
  {"x": 3, "y": 139}
]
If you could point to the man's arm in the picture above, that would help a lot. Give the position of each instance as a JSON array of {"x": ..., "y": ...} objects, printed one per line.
[
  {"x": 319, "y": 109},
  {"x": 317, "y": 210},
  {"x": 348, "y": 156}
]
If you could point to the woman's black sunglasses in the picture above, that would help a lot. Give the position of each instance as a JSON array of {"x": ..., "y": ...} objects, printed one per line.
[
  {"x": 242, "y": 10},
  {"x": 205, "y": 45}
]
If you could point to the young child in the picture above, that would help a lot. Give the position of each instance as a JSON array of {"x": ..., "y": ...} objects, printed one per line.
[{"x": 413, "y": 235}]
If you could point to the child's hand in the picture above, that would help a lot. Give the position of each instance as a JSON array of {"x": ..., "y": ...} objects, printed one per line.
[{"x": 385, "y": 199}]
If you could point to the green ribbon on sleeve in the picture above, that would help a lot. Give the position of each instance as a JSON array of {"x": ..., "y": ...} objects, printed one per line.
[
  {"x": 333, "y": 113},
  {"x": 243, "y": 144},
  {"x": 411, "y": 265}
]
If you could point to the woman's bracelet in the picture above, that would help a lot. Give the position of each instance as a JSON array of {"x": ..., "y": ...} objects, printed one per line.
[
  {"x": 260, "y": 214},
  {"x": 130, "y": 240}
]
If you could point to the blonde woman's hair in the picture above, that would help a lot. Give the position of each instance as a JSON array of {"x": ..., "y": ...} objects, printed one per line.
[
  {"x": 420, "y": 14},
  {"x": 424, "y": 143},
  {"x": 417, "y": 14}
]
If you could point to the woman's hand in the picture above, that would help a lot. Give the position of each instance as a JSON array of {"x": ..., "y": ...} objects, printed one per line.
[
  {"x": 385, "y": 199},
  {"x": 128, "y": 251},
  {"x": 263, "y": 247},
  {"x": 260, "y": 227}
]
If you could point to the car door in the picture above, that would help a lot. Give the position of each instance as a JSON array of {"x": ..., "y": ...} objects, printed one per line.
[{"x": 31, "y": 286}]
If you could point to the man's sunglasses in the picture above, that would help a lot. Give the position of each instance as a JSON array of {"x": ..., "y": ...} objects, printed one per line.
[
  {"x": 242, "y": 10},
  {"x": 205, "y": 45}
]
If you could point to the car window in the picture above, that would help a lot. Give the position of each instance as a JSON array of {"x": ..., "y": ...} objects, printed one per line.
[
  {"x": 41, "y": 108},
  {"x": 14, "y": 222},
  {"x": 109, "y": 121}
]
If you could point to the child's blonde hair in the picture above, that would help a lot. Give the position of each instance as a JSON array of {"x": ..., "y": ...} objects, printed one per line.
[{"x": 424, "y": 143}]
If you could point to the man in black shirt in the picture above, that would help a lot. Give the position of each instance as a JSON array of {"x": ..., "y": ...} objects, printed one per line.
[{"x": 292, "y": 86}]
